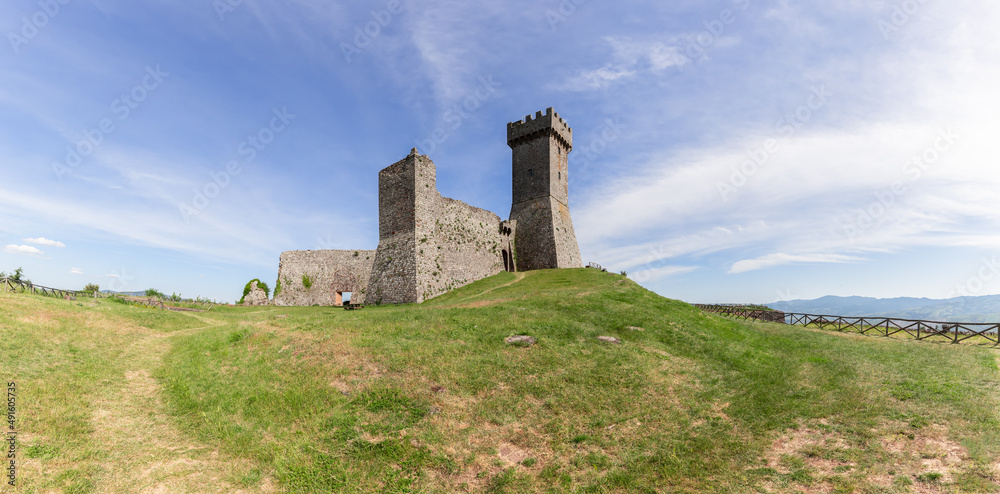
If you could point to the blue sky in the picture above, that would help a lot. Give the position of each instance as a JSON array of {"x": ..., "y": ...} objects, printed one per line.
[{"x": 733, "y": 150}]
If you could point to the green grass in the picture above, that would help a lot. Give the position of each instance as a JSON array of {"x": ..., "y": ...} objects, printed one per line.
[
  {"x": 61, "y": 355},
  {"x": 428, "y": 398}
]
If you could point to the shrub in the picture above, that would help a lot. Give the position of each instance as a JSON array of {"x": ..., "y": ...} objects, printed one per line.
[
  {"x": 152, "y": 292},
  {"x": 246, "y": 289},
  {"x": 307, "y": 281},
  {"x": 277, "y": 287},
  {"x": 92, "y": 288}
]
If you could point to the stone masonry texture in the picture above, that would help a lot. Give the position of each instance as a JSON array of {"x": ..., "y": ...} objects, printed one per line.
[
  {"x": 329, "y": 271},
  {"x": 429, "y": 244},
  {"x": 540, "y": 176}
]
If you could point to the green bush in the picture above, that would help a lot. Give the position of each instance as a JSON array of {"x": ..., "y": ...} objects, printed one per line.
[
  {"x": 307, "y": 281},
  {"x": 246, "y": 289},
  {"x": 92, "y": 288},
  {"x": 277, "y": 287},
  {"x": 152, "y": 292}
]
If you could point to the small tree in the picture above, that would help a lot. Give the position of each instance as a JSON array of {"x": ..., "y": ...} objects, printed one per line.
[
  {"x": 152, "y": 292},
  {"x": 92, "y": 288},
  {"x": 16, "y": 276}
]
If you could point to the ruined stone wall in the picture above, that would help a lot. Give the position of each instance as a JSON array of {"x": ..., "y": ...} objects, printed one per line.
[
  {"x": 428, "y": 244},
  {"x": 508, "y": 250},
  {"x": 462, "y": 245},
  {"x": 393, "y": 278},
  {"x": 329, "y": 271}
]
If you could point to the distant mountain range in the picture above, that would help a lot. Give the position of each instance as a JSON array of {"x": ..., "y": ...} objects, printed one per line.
[{"x": 959, "y": 309}]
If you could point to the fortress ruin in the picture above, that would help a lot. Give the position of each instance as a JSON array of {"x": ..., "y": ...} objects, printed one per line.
[{"x": 429, "y": 244}]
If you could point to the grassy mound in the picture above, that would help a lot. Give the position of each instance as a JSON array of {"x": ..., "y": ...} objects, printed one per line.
[{"x": 429, "y": 398}]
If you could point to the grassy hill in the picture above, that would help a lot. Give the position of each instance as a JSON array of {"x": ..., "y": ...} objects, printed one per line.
[{"x": 429, "y": 398}]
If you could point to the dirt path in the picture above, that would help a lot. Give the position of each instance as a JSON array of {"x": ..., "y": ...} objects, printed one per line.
[
  {"x": 464, "y": 302},
  {"x": 519, "y": 277},
  {"x": 145, "y": 451}
]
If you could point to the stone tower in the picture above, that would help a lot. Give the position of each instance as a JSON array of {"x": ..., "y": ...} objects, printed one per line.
[{"x": 544, "y": 236}]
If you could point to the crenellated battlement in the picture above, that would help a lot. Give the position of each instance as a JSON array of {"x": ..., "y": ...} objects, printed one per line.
[{"x": 540, "y": 125}]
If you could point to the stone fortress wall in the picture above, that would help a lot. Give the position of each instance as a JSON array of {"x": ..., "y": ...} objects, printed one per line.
[
  {"x": 328, "y": 271},
  {"x": 429, "y": 244}
]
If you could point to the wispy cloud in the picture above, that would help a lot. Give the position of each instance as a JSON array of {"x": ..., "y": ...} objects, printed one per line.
[
  {"x": 780, "y": 259},
  {"x": 656, "y": 274},
  {"x": 23, "y": 249},
  {"x": 44, "y": 241},
  {"x": 76, "y": 271},
  {"x": 629, "y": 59}
]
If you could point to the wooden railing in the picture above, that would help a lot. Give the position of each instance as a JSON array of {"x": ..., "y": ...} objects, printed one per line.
[
  {"x": 954, "y": 332},
  {"x": 18, "y": 286}
]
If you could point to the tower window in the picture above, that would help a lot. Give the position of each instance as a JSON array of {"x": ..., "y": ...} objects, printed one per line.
[
  {"x": 560, "y": 175},
  {"x": 531, "y": 172}
]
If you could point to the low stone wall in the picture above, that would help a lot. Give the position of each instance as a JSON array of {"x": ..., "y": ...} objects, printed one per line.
[{"x": 328, "y": 272}]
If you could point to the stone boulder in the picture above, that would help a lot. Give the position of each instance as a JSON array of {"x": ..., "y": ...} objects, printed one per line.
[
  {"x": 257, "y": 296},
  {"x": 520, "y": 340}
]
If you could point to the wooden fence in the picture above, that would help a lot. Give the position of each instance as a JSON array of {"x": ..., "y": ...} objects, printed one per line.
[
  {"x": 954, "y": 332},
  {"x": 10, "y": 285}
]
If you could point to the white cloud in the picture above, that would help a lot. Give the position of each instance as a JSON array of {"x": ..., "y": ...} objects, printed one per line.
[
  {"x": 22, "y": 249},
  {"x": 76, "y": 271},
  {"x": 44, "y": 241},
  {"x": 654, "y": 274},
  {"x": 826, "y": 195},
  {"x": 598, "y": 78},
  {"x": 629, "y": 60},
  {"x": 779, "y": 259}
]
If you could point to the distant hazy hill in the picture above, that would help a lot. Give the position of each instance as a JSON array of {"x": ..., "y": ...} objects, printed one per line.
[
  {"x": 960, "y": 309},
  {"x": 126, "y": 294}
]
